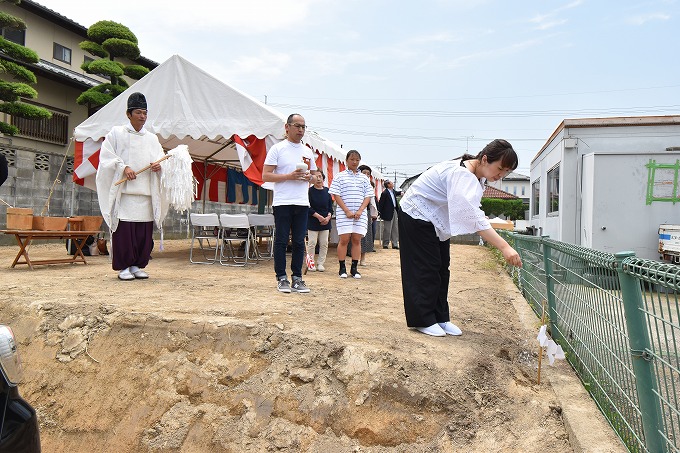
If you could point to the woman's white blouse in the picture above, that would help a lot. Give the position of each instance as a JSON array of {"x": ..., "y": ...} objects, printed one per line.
[{"x": 449, "y": 196}]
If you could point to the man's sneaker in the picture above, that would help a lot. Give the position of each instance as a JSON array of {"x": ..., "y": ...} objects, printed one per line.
[
  {"x": 355, "y": 273},
  {"x": 284, "y": 285},
  {"x": 320, "y": 268},
  {"x": 343, "y": 274},
  {"x": 312, "y": 269},
  {"x": 299, "y": 286}
]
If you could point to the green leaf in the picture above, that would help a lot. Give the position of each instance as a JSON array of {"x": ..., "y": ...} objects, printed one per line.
[
  {"x": 12, "y": 91},
  {"x": 19, "y": 72},
  {"x": 18, "y": 52},
  {"x": 8, "y": 129},
  {"x": 7, "y": 20},
  {"x": 94, "y": 49},
  {"x": 121, "y": 48},
  {"x": 105, "y": 67},
  {"x": 105, "y": 29},
  {"x": 23, "y": 110},
  {"x": 135, "y": 71}
]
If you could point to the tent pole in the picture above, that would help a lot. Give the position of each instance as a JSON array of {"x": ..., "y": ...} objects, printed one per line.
[{"x": 205, "y": 172}]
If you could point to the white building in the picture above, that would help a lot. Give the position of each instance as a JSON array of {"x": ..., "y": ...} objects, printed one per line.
[
  {"x": 516, "y": 184},
  {"x": 608, "y": 183}
]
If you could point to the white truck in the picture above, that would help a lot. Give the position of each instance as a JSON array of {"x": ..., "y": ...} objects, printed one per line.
[{"x": 669, "y": 243}]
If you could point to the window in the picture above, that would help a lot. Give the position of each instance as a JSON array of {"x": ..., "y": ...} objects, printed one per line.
[
  {"x": 523, "y": 190},
  {"x": 87, "y": 59},
  {"x": 535, "y": 197},
  {"x": 62, "y": 53},
  {"x": 14, "y": 35},
  {"x": 514, "y": 190},
  {"x": 554, "y": 189}
]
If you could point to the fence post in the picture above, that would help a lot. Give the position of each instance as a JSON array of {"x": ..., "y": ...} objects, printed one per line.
[
  {"x": 549, "y": 288},
  {"x": 639, "y": 342}
]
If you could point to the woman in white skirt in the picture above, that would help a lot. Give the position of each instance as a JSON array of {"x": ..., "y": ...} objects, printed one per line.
[{"x": 352, "y": 192}]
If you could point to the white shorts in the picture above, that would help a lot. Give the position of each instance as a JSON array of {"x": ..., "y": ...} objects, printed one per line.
[{"x": 356, "y": 226}]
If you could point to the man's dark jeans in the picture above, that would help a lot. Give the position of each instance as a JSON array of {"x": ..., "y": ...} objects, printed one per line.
[{"x": 289, "y": 220}]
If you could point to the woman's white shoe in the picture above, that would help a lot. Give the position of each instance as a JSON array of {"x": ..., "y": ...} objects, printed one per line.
[
  {"x": 435, "y": 330},
  {"x": 450, "y": 328}
]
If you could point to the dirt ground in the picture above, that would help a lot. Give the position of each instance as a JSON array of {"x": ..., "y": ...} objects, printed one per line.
[{"x": 202, "y": 358}]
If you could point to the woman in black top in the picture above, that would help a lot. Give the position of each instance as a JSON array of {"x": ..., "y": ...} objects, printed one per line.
[{"x": 319, "y": 222}]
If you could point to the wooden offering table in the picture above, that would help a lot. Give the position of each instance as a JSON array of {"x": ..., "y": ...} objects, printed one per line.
[{"x": 25, "y": 237}]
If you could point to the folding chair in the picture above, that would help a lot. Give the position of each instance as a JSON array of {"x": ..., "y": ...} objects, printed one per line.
[
  {"x": 206, "y": 230},
  {"x": 263, "y": 229},
  {"x": 236, "y": 237}
]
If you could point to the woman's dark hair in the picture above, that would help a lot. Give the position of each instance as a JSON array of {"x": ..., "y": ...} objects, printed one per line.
[
  {"x": 498, "y": 149},
  {"x": 352, "y": 151},
  {"x": 319, "y": 171},
  {"x": 365, "y": 167}
]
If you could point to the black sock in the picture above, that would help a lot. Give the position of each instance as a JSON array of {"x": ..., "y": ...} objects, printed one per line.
[
  {"x": 343, "y": 269},
  {"x": 355, "y": 263}
]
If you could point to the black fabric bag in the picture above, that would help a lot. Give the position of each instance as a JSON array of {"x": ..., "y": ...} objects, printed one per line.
[{"x": 86, "y": 248}]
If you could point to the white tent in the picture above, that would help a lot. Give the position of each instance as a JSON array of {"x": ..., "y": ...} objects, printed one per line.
[{"x": 220, "y": 124}]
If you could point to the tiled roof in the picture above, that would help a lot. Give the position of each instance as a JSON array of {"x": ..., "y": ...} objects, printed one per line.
[
  {"x": 55, "y": 69},
  {"x": 492, "y": 192}
]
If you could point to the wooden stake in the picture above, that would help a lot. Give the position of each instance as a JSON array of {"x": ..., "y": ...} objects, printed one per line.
[
  {"x": 540, "y": 348},
  {"x": 167, "y": 156}
]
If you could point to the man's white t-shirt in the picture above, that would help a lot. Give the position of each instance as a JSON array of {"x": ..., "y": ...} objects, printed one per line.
[{"x": 285, "y": 155}]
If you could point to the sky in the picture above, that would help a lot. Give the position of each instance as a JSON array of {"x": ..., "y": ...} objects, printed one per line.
[{"x": 410, "y": 84}]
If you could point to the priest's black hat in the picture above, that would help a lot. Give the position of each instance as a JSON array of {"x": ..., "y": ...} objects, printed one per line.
[{"x": 136, "y": 101}]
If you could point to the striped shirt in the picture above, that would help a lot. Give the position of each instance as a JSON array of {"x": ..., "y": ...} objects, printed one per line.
[{"x": 353, "y": 188}]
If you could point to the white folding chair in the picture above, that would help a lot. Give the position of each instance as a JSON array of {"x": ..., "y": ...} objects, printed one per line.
[
  {"x": 236, "y": 237},
  {"x": 205, "y": 230},
  {"x": 263, "y": 230}
]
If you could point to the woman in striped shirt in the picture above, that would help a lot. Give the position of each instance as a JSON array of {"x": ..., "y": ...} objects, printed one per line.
[{"x": 352, "y": 192}]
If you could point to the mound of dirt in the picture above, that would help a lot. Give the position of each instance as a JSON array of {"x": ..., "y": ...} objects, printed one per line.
[{"x": 210, "y": 358}]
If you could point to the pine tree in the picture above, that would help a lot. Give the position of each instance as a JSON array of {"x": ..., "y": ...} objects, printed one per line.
[
  {"x": 108, "y": 40},
  {"x": 12, "y": 58}
]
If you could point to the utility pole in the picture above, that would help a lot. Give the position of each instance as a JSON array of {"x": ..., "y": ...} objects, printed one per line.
[{"x": 467, "y": 138}]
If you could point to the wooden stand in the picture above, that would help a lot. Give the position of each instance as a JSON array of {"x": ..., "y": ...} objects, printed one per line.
[{"x": 25, "y": 237}]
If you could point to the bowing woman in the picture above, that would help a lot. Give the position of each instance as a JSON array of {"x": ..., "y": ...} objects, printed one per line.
[{"x": 444, "y": 202}]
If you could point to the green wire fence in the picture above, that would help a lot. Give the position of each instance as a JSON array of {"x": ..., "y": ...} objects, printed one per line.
[{"x": 616, "y": 318}]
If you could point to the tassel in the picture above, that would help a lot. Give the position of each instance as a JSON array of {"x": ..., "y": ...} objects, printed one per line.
[{"x": 177, "y": 187}]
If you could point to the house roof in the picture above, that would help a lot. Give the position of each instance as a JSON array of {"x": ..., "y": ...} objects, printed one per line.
[
  {"x": 512, "y": 176},
  {"x": 492, "y": 192},
  {"x": 617, "y": 121}
]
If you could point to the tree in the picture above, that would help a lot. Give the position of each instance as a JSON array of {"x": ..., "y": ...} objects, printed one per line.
[
  {"x": 512, "y": 209},
  {"x": 108, "y": 40},
  {"x": 12, "y": 58}
]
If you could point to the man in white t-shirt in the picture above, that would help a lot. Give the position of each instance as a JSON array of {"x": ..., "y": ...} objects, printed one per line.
[{"x": 291, "y": 201}]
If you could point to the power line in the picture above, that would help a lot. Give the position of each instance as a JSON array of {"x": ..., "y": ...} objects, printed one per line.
[
  {"x": 479, "y": 98},
  {"x": 482, "y": 113}
]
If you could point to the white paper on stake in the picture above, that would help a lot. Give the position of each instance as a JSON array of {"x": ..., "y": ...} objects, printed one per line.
[{"x": 542, "y": 336}]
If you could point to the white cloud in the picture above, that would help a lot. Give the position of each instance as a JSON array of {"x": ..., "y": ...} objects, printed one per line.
[
  {"x": 550, "y": 20},
  {"x": 265, "y": 65},
  {"x": 642, "y": 19},
  {"x": 232, "y": 17}
]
